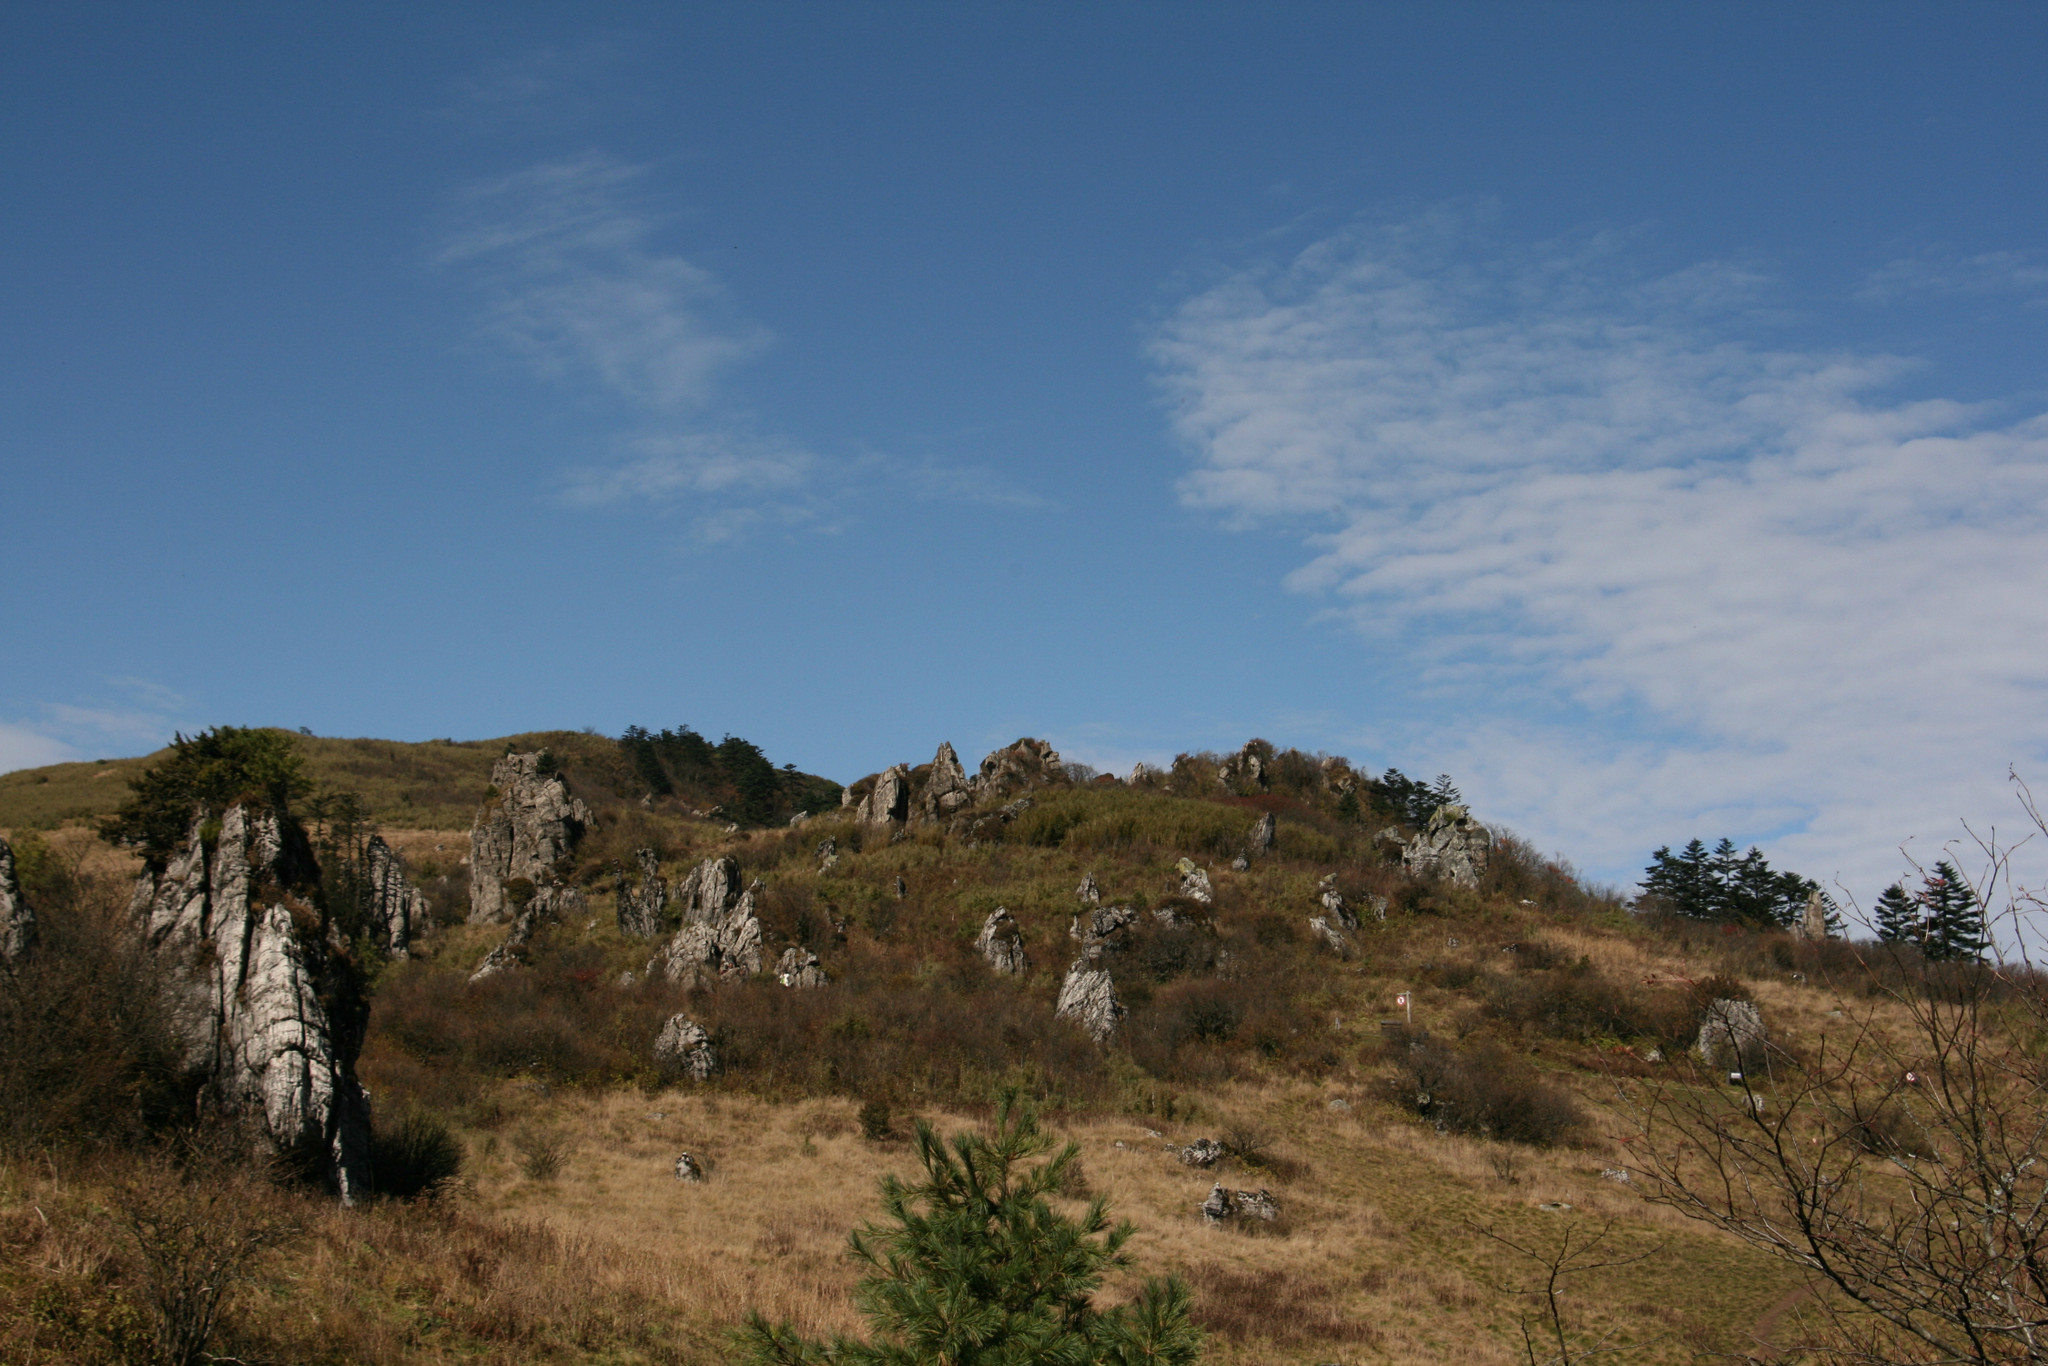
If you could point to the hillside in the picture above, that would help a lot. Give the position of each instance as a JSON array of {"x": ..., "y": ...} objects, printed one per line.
[{"x": 1389, "y": 1136}]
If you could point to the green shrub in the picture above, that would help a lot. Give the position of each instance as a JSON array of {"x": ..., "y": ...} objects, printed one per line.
[{"x": 416, "y": 1158}]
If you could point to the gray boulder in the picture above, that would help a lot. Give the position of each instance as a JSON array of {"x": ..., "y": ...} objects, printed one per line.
[
  {"x": 1453, "y": 847},
  {"x": 1203, "y": 1152},
  {"x": 523, "y": 830},
  {"x": 1194, "y": 882},
  {"x": 828, "y": 854},
  {"x": 1245, "y": 771},
  {"x": 643, "y": 910},
  {"x": 250, "y": 982},
  {"x": 798, "y": 967},
  {"x": 1224, "y": 1205},
  {"x": 396, "y": 906},
  {"x": 683, "y": 1046},
  {"x": 1001, "y": 942},
  {"x": 688, "y": 1169},
  {"x": 1263, "y": 834},
  {"x": 1016, "y": 769},
  {"x": 1812, "y": 924},
  {"x": 1732, "y": 1034},
  {"x": 1104, "y": 929},
  {"x": 720, "y": 935},
  {"x": 17, "y": 920},
  {"x": 1330, "y": 934},
  {"x": 1088, "y": 997},
  {"x": 1089, "y": 893},
  {"x": 1334, "y": 909}
]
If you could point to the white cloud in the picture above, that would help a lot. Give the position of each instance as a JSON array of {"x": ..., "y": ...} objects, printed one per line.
[
  {"x": 668, "y": 467},
  {"x": 1941, "y": 273},
  {"x": 562, "y": 254},
  {"x": 26, "y": 747},
  {"x": 1676, "y": 581}
]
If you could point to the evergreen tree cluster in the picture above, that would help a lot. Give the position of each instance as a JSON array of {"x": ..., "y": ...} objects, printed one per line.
[
  {"x": 214, "y": 769},
  {"x": 1943, "y": 919},
  {"x": 733, "y": 773},
  {"x": 1724, "y": 886},
  {"x": 1410, "y": 799}
]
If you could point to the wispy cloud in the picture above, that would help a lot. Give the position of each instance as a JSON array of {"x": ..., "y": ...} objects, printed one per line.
[
  {"x": 1934, "y": 273},
  {"x": 138, "y": 716},
  {"x": 1676, "y": 579},
  {"x": 563, "y": 255}
]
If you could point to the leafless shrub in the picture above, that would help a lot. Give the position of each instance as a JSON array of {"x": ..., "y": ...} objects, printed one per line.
[{"x": 542, "y": 1153}]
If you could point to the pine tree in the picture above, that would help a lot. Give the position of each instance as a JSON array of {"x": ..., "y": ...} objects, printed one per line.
[
  {"x": 1444, "y": 792},
  {"x": 1681, "y": 880},
  {"x": 974, "y": 1267},
  {"x": 1897, "y": 915},
  {"x": 1955, "y": 930}
]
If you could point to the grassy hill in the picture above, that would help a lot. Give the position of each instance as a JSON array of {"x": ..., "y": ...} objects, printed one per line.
[{"x": 1391, "y": 1150}]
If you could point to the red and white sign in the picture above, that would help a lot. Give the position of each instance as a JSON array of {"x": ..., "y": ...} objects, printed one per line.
[{"x": 1402, "y": 1000}]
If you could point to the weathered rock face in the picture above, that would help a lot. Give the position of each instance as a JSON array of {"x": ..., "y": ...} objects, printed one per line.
[
  {"x": 1022, "y": 767},
  {"x": 684, "y": 1046},
  {"x": 1452, "y": 846},
  {"x": 254, "y": 982},
  {"x": 1732, "y": 1034},
  {"x": 1245, "y": 771},
  {"x": 799, "y": 968},
  {"x": 1103, "y": 930},
  {"x": 549, "y": 903},
  {"x": 888, "y": 802},
  {"x": 1334, "y": 908},
  {"x": 1812, "y": 924},
  {"x": 721, "y": 935},
  {"x": 1203, "y": 1152},
  {"x": 1194, "y": 882},
  {"x": 1089, "y": 997},
  {"x": 1089, "y": 893},
  {"x": 828, "y": 854},
  {"x": 945, "y": 791},
  {"x": 522, "y": 832},
  {"x": 396, "y": 906},
  {"x": 1263, "y": 834},
  {"x": 1001, "y": 942},
  {"x": 1224, "y": 1205},
  {"x": 1330, "y": 934},
  {"x": 643, "y": 910},
  {"x": 17, "y": 920}
]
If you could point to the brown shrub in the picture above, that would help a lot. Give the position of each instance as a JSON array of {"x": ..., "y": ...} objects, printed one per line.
[
  {"x": 1283, "y": 1308},
  {"x": 1482, "y": 1091}
]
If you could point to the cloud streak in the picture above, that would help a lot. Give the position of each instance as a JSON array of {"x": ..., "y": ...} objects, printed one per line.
[{"x": 1678, "y": 581}]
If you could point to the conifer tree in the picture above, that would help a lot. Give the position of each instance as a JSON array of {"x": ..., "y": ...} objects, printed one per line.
[
  {"x": 1897, "y": 915},
  {"x": 1955, "y": 931},
  {"x": 974, "y": 1267}
]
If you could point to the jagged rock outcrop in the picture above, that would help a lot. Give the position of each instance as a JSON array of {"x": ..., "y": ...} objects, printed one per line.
[
  {"x": 1203, "y": 1152},
  {"x": 643, "y": 910},
  {"x": 1224, "y": 1204},
  {"x": 1102, "y": 930},
  {"x": 1812, "y": 924},
  {"x": 684, "y": 1046},
  {"x": 1088, "y": 997},
  {"x": 1452, "y": 846},
  {"x": 266, "y": 1011},
  {"x": 945, "y": 790},
  {"x": 17, "y": 919},
  {"x": 798, "y": 967},
  {"x": 547, "y": 904},
  {"x": 523, "y": 830},
  {"x": 1089, "y": 893},
  {"x": 1732, "y": 1034},
  {"x": 396, "y": 906},
  {"x": 1194, "y": 882},
  {"x": 1263, "y": 834},
  {"x": 1001, "y": 942},
  {"x": 828, "y": 854},
  {"x": 1337, "y": 922},
  {"x": 1245, "y": 771},
  {"x": 1330, "y": 934},
  {"x": 721, "y": 935},
  {"x": 888, "y": 801},
  {"x": 1015, "y": 769}
]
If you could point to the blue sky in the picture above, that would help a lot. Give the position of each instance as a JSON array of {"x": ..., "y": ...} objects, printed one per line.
[{"x": 1636, "y": 411}]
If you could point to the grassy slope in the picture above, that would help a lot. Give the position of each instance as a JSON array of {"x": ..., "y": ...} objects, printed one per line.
[{"x": 1379, "y": 1258}]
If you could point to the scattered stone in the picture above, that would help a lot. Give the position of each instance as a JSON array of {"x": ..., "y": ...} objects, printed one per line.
[
  {"x": 1089, "y": 997},
  {"x": 17, "y": 920},
  {"x": 547, "y": 903},
  {"x": 1329, "y": 934},
  {"x": 1555, "y": 1206},
  {"x": 626, "y": 979},
  {"x": 902, "y": 889},
  {"x": 1224, "y": 1205},
  {"x": 1001, "y": 942},
  {"x": 799, "y": 968},
  {"x": 1654, "y": 1055},
  {"x": 1335, "y": 911},
  {"x": 1339, "y": 1104},
  {"x": 688, "y": 1170},
  {"x": 1203, "y": 1152},
  {"x": 1619, "y": 1174},
  {"x": 1106, "y": 929},
  {"x": 888, "y": 802},
  {"x": 1240, "y": 864},
  {"x": 1731, "y": 1032},
  {"x": 1452, "y": 846},
  {"x": 684, "y": 1046},
  {"x": 252, "y": 986},
  {"x": 523, "y": 829},
  {"x": 1194, "y": 882},
  {"x": 720, "y": 935},
  {"x": 1088, "y": 891},
  {"x": 1379, "y": 907},
  {"x": 643, "y": 911},
  {"x": 828, "y": 854},
  {"x": 946, "y": 790},
  {"x": 1391, "y": 833}
]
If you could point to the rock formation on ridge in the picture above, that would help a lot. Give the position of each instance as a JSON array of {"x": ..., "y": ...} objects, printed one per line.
[
  {"x": 1452, "y": 846},
  {"x": 17, "y": 919},
  {"x": 523, "y": 830},
  {"x": 945, "y": 790},
  {"x": 1089, "y": 997},
  {"x": 396, "y": 906},
  {"x": 254, "y": 985},
  {"x": 888, "y": 802},
  {"x": 798, "y": 967},
  {"x": 1001, "y": 942},
  {"x": 684, "y": 1046}
]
